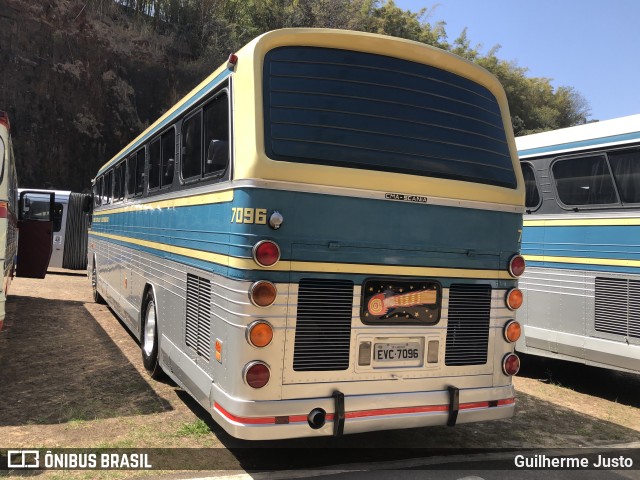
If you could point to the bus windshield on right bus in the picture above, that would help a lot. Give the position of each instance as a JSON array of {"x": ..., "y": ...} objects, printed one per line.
[{"x": 580, "y": 240}]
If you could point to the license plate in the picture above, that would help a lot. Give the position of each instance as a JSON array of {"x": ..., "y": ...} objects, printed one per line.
[{"x": 402, "y": 353}]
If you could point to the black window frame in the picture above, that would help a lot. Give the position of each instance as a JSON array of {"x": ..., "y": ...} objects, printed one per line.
[
  {"x": 524, "y": 165},
  {"x": 160, "y": 139},
  {"x": 217, "y": 176},
  {"x": 589, "y": 206}
]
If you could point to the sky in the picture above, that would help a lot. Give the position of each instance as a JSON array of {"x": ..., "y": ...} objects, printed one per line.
[{"x": 590, "y": 45}]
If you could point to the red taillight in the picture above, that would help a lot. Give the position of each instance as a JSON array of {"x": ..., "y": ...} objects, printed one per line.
[
  {"x": 514, "y": 299},
  {"x": 3, "y": 210},
  {"x": 256, "y": 374},
  {"x": 510, "y": 364},
  {"x": 512, "y": 331},
  {"x": 266, "y": 253},
  {"x": 232, "y": 61},
  {"x": 516, "y": 265}
]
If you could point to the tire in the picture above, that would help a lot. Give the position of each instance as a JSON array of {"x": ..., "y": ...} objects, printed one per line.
[
  {"x": 94, "y": 285},
  {"x": 149, "y": 337}
]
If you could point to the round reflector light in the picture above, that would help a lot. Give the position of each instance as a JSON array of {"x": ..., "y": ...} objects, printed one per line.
[
  {"x": 266, "y": 253},
  {"x": 259, "y": 334},
  {"x": 510, "y": 364},
  {"x": 256, "y": 374},
  {"x": 516, "y": 265},
  {"x": 514, "y": 299},
  {"x": 512, "y": 331},
  {"x": 263, "y": 293}
]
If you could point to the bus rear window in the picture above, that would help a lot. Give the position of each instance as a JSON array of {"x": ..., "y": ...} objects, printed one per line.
[{"x": 359, "y": 110}]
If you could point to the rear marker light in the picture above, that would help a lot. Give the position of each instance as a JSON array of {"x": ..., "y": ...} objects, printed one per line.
[
  {"x": 232, "y": 61},
  {"x": 512, "y": 331},
  {"x": 516, "y": 266},
  {"x": 266, "y": 253},
  {"x": 259, "y": 334},
  {"x": 263, "y": 293},
  {"x": 514, "y": 299},
  {"x": 219, "y": 350},
  {"x": 510, "y": 364},
  {"x": 3, "y": 210},
  {"x": 256, "y": 374}
]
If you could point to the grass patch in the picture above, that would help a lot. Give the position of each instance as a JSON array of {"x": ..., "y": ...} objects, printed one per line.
[{"x": 199, "y": 428}]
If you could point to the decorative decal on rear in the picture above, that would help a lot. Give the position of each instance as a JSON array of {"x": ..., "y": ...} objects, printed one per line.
[{"x": 415, "y": 302}]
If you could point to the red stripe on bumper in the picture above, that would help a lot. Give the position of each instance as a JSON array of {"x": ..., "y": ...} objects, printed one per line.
[{"x": 361, "y": 413}]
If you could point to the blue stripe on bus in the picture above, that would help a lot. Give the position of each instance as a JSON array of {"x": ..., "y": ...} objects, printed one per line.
[
  {"x": 580, "y": 266},
  {"x": 611, "y": 242},
  {"x": 627, "y": 137},
  {"x": 315, "y": 225},
  {"x": 281, "y": 276}
]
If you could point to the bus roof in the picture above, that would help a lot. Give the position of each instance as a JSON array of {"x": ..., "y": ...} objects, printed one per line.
[{"x": 582, "y": 137}]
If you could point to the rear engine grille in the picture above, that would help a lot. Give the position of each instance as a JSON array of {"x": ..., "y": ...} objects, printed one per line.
[
  {"x": 198, "y": 323},
  {"x": 468, "y": 327},
  {"x": 617, "y": 306},
  {"x": 323, "y": 327}
]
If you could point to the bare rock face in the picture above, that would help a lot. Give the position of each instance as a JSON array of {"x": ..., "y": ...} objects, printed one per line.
[{"x": 79, "y": 85}]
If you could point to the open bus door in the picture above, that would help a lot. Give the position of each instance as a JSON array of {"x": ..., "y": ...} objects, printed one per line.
[{"x": 35, "y": 233}]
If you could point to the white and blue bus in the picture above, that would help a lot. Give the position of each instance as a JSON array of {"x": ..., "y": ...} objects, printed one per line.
[
  {"x": 581, "y": 241},
  {"x": 322, "y": 238}
]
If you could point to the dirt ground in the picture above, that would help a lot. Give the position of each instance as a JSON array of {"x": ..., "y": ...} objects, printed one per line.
[{"x": 71, "y": 376}]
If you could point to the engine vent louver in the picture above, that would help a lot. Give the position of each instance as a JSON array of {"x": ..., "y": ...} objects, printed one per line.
[
  {"x": 468, "y": 325},
  {"x": 198, "y": 316},
  {"x": 617, "y": 306},
  {"x": 323, "y": 327}
]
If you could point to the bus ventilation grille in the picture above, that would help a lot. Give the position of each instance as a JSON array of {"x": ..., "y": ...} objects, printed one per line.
[
  {"x": 468, "y": 328},
  {"x": 618, "y": 306},
  {"x": 323, "y": 327},
  {"x": 198, "y": 327}
]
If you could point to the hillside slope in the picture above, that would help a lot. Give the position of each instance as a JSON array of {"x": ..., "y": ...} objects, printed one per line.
[{"x": 80, "y": 85}]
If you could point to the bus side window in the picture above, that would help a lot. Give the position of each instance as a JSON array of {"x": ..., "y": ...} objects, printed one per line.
[
  {"x": 192, "y": 146},
  {"x": 625, "y": 165},
  {"x": 216, "y": 136},
  {"x": 140, "y": 172},
  {"x": 154, "y": 164},
  {"x": 131, "y": 175},
  {"x": 107, "y": 187},
  {"x": 99, "y": 192},
  {"x": 532, "y": 200},
  {"x": 168, "y": 157},
  {"x": 584, "y": 181}
]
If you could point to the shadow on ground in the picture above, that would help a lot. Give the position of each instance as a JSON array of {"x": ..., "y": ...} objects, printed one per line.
[
  {"x": 57, "y": 365},
  {"x": 537, "y": 424},
  {"x": 612, "y": 385}
]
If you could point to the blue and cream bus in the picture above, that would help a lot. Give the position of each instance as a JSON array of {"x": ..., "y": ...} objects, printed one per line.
[
  {"x": 580, "y": 240},
  {"x": 322, "y": 238}
]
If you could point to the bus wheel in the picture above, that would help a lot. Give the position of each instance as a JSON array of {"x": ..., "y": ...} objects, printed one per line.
[
  {"x": 94, "y": 285},
  {"x": 149, "y": 339}
]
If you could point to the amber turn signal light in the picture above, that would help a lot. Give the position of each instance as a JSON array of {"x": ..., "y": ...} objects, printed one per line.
[
  {"x": 259, "y": 334},
  {"x": 514, "y": 299},
  {"x": 512, "y": 331},
  {"x": 263, "y": 293}
]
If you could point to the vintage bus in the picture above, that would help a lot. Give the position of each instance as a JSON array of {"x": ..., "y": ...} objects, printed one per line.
[
  {"x": 322, "y": 238},
  {"x": 581, "y": 226},
  {"x": 70, "y": 224},
  {"x": 8, "y": 210},
  {"x": 34, "y": 241}
]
